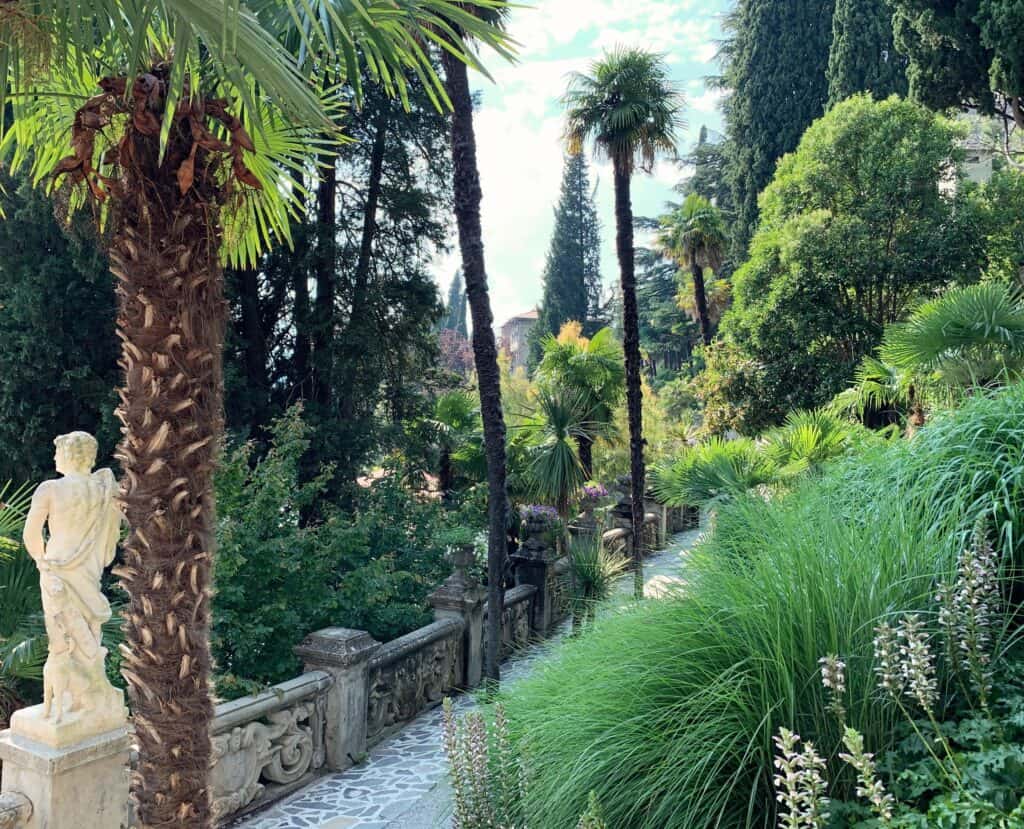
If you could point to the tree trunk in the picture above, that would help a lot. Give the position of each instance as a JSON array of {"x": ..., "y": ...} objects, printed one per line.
[
  {"x": 631, "y": 347},
  {"x": 586, "y": 449},
  {"x": 700, "y": 299},
  {"x": 303, "y": 346},
  {"x": 171, "y": 322},
  {"x": 356, "y": 333},
  {"x": 446, "y": 475},
  {"x": 485, "y": 352},
  {"x": 326, "y": 280}
]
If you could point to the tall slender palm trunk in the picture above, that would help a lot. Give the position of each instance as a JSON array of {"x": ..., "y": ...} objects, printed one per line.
[
  {"x": 700, "y": 299},
  {"x": 171, "y": 322},
  {"x": 631, "y": 347},
  {"x": 585, "y": 445},
  {"x": 485, "y": 352}
]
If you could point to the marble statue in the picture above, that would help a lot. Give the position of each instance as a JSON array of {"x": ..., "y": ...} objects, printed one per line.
[{"x": 82, "y": 519}]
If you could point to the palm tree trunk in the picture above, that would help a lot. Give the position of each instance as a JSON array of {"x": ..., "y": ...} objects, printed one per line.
[
  {"x": 700, "y": 299},
  {"x": 631, "y": 347},
  {"x": 586, "y": 449},
  {"x": 485, "y": 352},
  {"x": 171, "y": 322}
]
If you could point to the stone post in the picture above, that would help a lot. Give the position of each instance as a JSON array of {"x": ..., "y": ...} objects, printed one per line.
[
  {"x": 461, "y": 597},
  {"x": 84, "y": 786},
  {"x": 345, "y": 655},
  {"x": 533, "y": 562}
]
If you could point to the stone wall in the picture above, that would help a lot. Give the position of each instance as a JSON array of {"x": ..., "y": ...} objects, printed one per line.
[
  {"x": 267, "y": 745},
  {"x": 412, "y": 673}
]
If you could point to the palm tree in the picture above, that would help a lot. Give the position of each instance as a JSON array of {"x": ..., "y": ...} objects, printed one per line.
[
  {"x": 556, "y": 471},
  {"x": 167, "y": 155},
  {"x": 694, "y": 236},
  {"x": 969, "y": 338},
  {"x": 466, "y": 184},
  {"x": 629, "y": 109},
  {"x": 881, "y": 395},
  {"x": 592, "y": 369},
  {"x": 456, "y": 417}
]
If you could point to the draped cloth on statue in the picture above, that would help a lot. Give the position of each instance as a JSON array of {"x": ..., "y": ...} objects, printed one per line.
[
  {"x": 79, "y": 549},
  {"x": 80, "y": 512}
]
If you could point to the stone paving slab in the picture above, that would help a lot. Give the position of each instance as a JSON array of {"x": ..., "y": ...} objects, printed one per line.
[{"x": 404, "y": 784}]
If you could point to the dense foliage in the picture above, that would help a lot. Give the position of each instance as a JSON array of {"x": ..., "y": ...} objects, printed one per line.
[
  {"x": 964, "y": 53},
  {"x": 306, "y": 330},
  {"x": 854, "y": 230},
  {"x": 668, "y": 710},
  {"x": 279, "y": 577},
  {"x": 775, "y": 61},
  {"x": 58, "y": 362},
  {"x": 862, "y": 57}
]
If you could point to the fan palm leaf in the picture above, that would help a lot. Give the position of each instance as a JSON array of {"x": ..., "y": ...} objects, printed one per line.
[
  {"x": 969, "y": 337},
  {"x": 713, "y": 472}
]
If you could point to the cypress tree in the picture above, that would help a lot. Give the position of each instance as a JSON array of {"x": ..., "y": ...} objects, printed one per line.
[
  {"x": 572, "y": 273},
  {"x": 454, "y": 317},
  {"x": 863, "y": 58},
  {"x": 775, "y": 62}
]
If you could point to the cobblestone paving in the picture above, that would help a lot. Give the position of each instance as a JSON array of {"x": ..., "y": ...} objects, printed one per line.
[{"x": 403, "y": 784}]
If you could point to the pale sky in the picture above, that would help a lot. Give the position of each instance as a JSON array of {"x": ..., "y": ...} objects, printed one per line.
[{"x": 519, "y": 126}]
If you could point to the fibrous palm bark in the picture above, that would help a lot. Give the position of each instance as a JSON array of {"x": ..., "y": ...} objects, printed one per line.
[
  {"x": 164, "y": 253},
  {"x": 485, "y": 352}
]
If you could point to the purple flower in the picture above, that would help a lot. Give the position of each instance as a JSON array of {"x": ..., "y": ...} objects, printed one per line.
[
  {"x": 540, "y": 511},
  {"x": 595, "y": 491}
]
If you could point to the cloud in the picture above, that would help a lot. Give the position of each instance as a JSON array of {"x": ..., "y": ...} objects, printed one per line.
[{"x": 519, "y": 128}]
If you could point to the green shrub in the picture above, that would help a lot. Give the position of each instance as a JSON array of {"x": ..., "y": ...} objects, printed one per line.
[
  {"x": 667, "y": 711},
  {"x": 279, "y": 577}
]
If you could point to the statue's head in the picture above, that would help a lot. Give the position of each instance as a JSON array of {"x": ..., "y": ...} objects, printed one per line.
[{"x": 76, "y": 453}]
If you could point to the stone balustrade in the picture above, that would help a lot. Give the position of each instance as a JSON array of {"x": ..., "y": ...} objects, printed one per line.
[
  {"x": 355, "y": 690},
  {"x": 268, "y": 744},
  {"x": 412, "y": 673}
]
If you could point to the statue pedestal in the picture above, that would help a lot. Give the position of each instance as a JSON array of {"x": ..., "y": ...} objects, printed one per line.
[
  {"x": 82, "y": 786},
  {"x": 102, "y": 717}
]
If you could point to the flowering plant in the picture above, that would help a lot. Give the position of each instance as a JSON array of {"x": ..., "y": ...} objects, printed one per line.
[
  {"x": 594, "y": 491},
  {"x": 539, "y": 511}
]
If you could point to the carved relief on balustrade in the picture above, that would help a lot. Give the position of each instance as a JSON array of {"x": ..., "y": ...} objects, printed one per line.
[
  {"x": 402, "y": 687},
  {"x": 252, "y": 761}
]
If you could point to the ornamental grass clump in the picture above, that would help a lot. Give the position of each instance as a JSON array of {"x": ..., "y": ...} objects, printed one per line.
[{"x": 667, "y": 710}]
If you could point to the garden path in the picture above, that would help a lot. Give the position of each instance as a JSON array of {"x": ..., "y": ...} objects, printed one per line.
[{"x": 404, "y": 785}]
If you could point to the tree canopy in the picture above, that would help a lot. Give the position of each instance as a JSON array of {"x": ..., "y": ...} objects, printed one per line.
[
  {"x": 964, "y": 53},
  {"x": 775, "y": 62},
  {"x": 855, "y": 228},
  {"x": 863, "y": 57}
]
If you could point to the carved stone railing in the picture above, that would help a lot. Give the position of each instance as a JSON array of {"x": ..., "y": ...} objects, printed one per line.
[
  {"x": 515, "y": 620},
  {"x": 268, "y": 744},
  {"x": 412, "y": 673},
  {"x": 15, "y": 810}
]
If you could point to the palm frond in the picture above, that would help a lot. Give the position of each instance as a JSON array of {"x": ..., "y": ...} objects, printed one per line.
[
  {"x": 627, "y": 105},
  {"x": 14, "y": 503},
  {"x": 713, "y": 472},
  {"x": 971, "y": 336}
]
